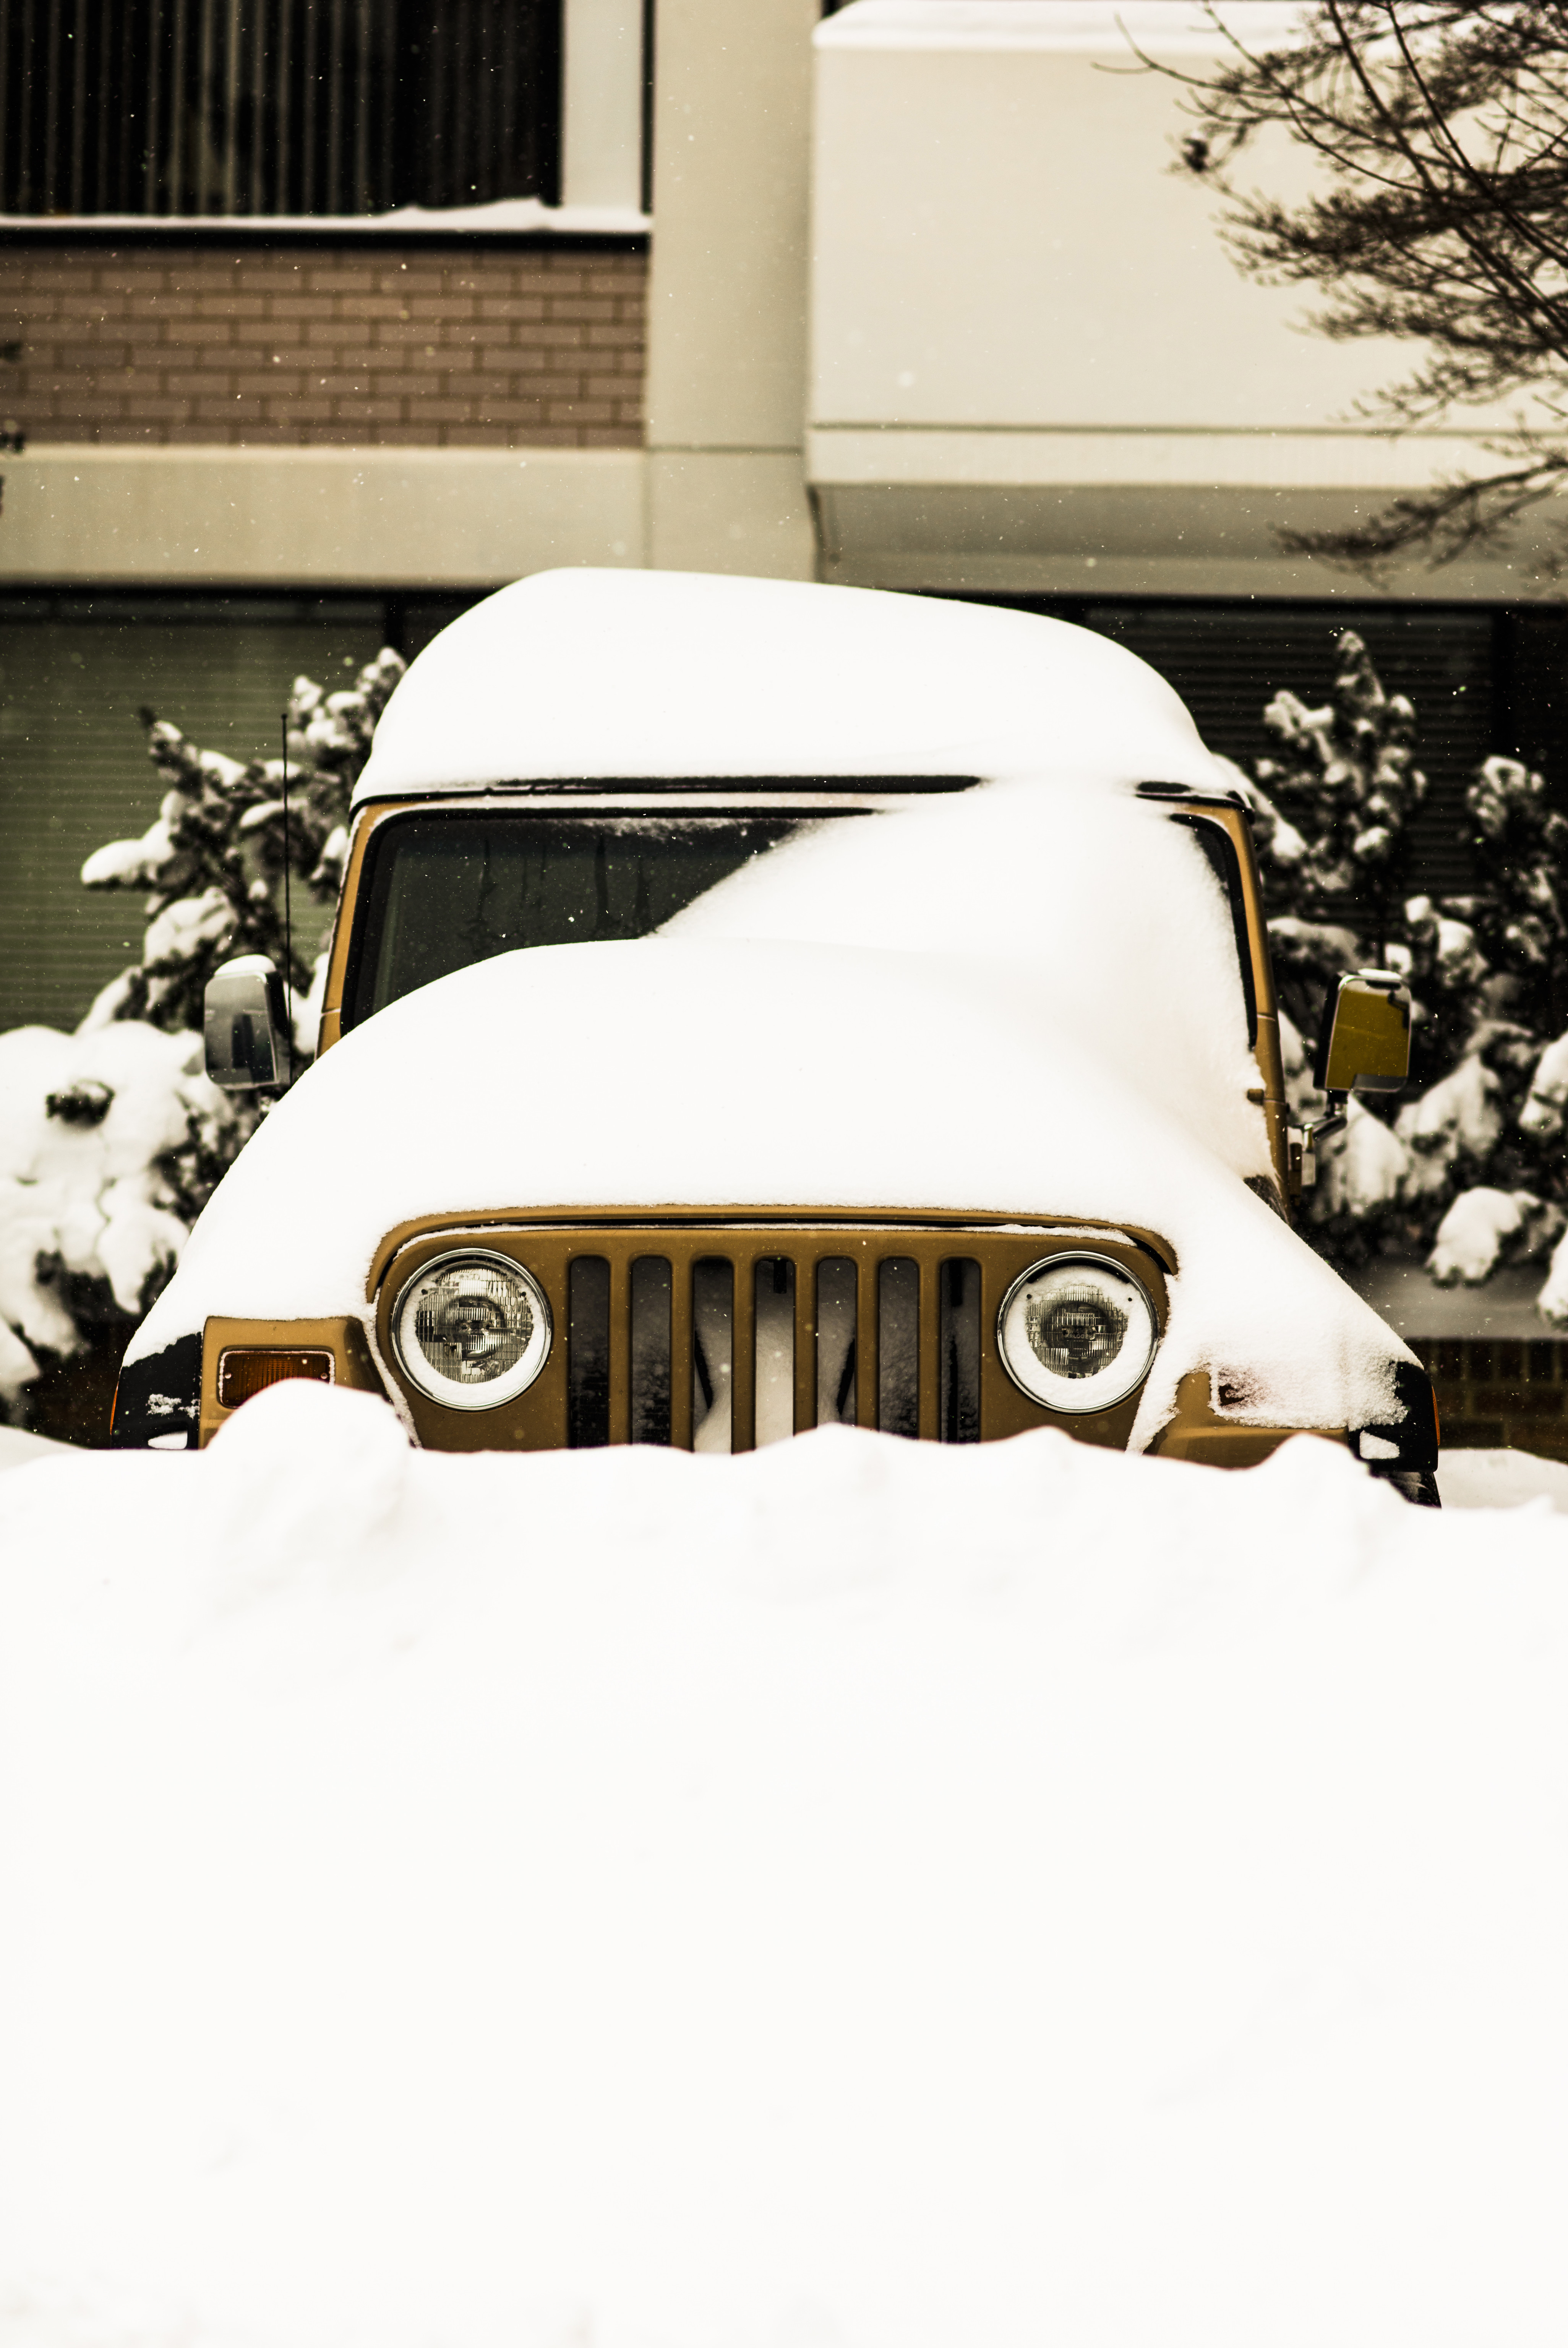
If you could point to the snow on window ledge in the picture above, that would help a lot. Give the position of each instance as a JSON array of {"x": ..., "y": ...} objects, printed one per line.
[{"x": 509, "y": 216}]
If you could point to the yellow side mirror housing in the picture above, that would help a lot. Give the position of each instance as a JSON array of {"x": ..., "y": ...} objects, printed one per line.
[{"x": 1364, "y": 1045}]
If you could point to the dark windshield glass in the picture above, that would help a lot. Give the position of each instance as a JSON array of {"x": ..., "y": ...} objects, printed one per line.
[{"x": 444, "y": 891}]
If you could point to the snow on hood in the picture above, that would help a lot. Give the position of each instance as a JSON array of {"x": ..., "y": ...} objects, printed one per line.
[
  {"x": 672, "y": 1072},
  {"x": 618, "y": 674},
  {"x": 1104, "y": 910}
]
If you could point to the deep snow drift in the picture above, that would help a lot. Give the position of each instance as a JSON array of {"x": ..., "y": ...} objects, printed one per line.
[{"x": 859, "y": 1895}]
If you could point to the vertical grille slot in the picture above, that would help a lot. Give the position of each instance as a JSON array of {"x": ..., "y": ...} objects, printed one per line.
[
  {"x": 958, "y": 1290},
  {"x": 650, "y": 1349},
  {"x": 588, "y": 1353},
  {"x": 837, "y": 1319},
  {"x": 897, "y": 1346},
  {"x": 774, "y": 1294},
  {"x": 712, "y": 1353}
]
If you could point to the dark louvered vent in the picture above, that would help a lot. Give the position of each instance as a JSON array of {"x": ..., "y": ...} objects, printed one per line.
[
  {"x": 1227, "y": 663},
  {"x": 270, "y": 107}
]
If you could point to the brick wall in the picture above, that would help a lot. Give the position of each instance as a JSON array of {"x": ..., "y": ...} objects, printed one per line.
[
  {"x": 389, "y": 346},
  {"x": 1497, "y": 1392}
]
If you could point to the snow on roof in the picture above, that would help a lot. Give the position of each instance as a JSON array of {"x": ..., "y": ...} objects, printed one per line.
[{"x": 615, "y": 675}]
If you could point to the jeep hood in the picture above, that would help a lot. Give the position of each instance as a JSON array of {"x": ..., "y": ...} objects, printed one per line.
[{"x": 681, "y": 1074}]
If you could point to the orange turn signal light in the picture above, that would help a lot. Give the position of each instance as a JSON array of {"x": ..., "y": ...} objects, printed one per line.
[{"x": 245, "y": 1370}]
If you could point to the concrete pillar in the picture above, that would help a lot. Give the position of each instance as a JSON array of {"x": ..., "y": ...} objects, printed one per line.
[
  {"x": 726, "y": 323},
  {"x": 602, "y": 126}
]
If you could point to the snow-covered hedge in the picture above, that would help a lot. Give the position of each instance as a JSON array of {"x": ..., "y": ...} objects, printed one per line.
[
  {"x": 1466, "y": 1172},
  {"x": 212, "y": 865},
  {"x": 111, "y": 1139}
]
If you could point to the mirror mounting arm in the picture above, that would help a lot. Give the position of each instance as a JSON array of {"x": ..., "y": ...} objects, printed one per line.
[{"x": 1318, "y": 1129}]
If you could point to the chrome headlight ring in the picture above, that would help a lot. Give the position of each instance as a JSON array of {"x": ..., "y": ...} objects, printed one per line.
[
  {"x": 472, "y": 1329},
  {"x": 1077, "y": 1332}
]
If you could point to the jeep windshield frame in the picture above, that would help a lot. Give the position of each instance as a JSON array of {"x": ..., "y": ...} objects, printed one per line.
[{"x": 444, "y": 886}]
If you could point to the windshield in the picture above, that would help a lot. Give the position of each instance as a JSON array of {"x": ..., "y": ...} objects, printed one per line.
[{"x": 444, "y": 891}]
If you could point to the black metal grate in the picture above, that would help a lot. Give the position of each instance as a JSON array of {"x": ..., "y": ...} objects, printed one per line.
[
  {"x": 795, "y": 1370},
  {"x": 1227, "y": 663},
  {"x": 276, "y": 107},
  {"x": 1480, "y": 679}
]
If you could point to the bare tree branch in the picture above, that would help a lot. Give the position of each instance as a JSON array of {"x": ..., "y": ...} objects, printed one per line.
[{"x": 1440, "y": 220}]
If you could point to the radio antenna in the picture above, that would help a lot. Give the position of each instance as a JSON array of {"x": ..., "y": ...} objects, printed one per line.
[{"x": 288, "y": 910}]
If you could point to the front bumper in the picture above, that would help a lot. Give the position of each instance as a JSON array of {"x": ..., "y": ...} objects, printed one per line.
[{"x": 721, "y": 1334}]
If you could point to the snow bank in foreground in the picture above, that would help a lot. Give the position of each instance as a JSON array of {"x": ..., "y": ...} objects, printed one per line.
[
  {"x": 1500, "y": 1480},
  {"x": 862, "y": 1895},
  {"x": 1466, "y": 1479},
  {"x": 20, "y": 1449}
]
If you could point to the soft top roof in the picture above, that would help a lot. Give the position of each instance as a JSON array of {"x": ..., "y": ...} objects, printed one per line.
[{"x": 628, "y": 675}]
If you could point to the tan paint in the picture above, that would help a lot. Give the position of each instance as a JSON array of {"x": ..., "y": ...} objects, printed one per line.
[
  {"x": 717, "y": 1220},
  {"x": 1369, "y": 1045},
  {"x": 536, "y": 1421},
  {"x": 343, "y": 1340},
  {"x": 1233, "y": 822},
  {"x": 1197, "y": 1432}
]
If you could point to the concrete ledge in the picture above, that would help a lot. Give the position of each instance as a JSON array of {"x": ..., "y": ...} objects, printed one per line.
[
  {"x": 318, "y": 517},
  {"x": 1008, "y": 457},
  {"x": 1122, "y": 539},
  {"x": 1410, "y": 1300}
]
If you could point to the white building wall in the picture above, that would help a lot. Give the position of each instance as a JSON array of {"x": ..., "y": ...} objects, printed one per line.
[{"x": 1033, "y": 364}]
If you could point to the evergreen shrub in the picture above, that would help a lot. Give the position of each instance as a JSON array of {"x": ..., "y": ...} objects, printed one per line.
[
  {"x": 1468, "y": 1171},
  {"x": 112, "y": 1139}
]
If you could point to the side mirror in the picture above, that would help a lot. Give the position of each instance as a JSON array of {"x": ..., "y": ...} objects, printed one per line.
[
  {"x": 244, "y": 1022},
  {"x": 1364, "y": 1046}
]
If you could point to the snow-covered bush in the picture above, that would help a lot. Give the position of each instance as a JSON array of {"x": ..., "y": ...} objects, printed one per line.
[
  {"x": 211, "y": 867},
  {"x": 1470, "y": 1169},
  {"x": 1334, "y": 798},
  {"x": 111, "y": 1139}
]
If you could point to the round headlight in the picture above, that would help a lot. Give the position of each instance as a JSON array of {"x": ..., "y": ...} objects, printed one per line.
[
  {"x": 1077, "y": 1332},
  {"x": 472, "y": 1330}
]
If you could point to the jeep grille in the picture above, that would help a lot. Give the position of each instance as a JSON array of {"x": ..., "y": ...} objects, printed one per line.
[{"x": 725, "y": 1337}]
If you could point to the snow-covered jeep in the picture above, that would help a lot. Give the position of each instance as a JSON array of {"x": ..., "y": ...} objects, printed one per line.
[{"x": 754, "y": 1006}]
